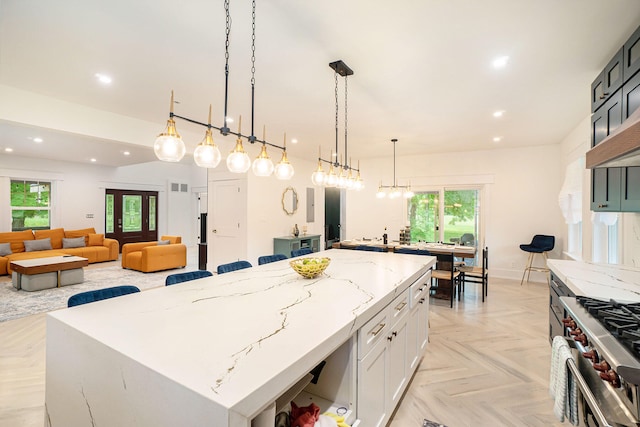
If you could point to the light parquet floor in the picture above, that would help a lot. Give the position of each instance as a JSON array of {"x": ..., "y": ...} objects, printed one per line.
[{"x": 486, "y": 364}]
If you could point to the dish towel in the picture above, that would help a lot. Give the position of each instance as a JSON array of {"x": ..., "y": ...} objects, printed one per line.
[{"x": 562, "y": 386}]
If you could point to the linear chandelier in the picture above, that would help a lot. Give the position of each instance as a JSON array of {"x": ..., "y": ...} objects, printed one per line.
[
  {"x": 343, "y": 178},
  {"x": 169, "y": 146},
  {"x": 394, "y": 190}
]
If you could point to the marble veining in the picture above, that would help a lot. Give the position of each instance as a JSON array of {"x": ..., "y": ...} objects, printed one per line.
[
  {"x": 606, "y": 281},
  {"x": 236, "y": 341}
]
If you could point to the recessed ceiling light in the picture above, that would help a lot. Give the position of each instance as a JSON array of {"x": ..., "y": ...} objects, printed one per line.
[
  {"x": 103, "y": 78},
  {"x": 38, "y": 140},
  {"x": 126, "y": 153},
  {"x": 497, "y": 138},
  {"x": 229, "y": 119},
  {"x": 8, "y": 150},
  {"x": 93, "y": 160},
  {"x": 500, "y": 62},
  {"x": 294, "y": 141},
  {"x": 498, "y": 113}
]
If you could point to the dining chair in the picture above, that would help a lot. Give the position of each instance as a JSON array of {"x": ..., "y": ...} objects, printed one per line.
[
  {"x": 446, "y": 271},
  {"x": 233, "y": 266},
  {"x": 540, "y": 244},
  {"x": 479, "y": 274},
  {"x": 100, "y": 294},
  {"x": 369, "y": 248},
  {"x": 266, "y": 259},
  {"x": 300, "y": 252},
  {"x": 173, "y": 279}
]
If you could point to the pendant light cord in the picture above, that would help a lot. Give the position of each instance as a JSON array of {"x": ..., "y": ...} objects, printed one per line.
[
  {"x": 336, "y": 96},
  {"x": 252, "y": 137},
  {"x": 345, "y": 120},
  {"x": 225, "y": 127}
]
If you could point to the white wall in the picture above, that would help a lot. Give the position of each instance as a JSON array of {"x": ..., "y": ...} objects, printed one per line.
[
  {"x": 79, "y": 190},
  {"x": 520, "y": 191}
]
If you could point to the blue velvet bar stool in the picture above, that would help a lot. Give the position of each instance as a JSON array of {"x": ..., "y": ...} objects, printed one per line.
[
  {"x": 100, "y": 294},
  {"x": 266, "y": 259},
  {"x": 174, "y": 279},
  {"x": 300, "y": 252},
  {"x": 540, "y": 244},
  {"x": 233, "y": 266}
]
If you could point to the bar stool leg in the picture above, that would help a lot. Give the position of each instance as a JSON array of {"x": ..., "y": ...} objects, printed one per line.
[{"x": 527, "y": 268}]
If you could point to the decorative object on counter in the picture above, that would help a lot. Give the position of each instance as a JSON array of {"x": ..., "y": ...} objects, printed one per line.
[
  {"x": 343, "y": 178},
  {"x": 540, "y": 244},
  {"x": 310, "y": 267},
  {"x": 304, "y": 230},
  {"x": 169, "y": 146},
  {"x": 384, "y": 236},
  {"x": 296, "y": 232},
  {"x": 405, "y": 236},
  {"x": 394, "y": 189},
  {"x": 290, "y": 201}
]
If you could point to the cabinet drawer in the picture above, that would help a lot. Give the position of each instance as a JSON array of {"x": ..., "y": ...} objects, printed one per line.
[
  {"x": 399, "y": 307},
  {"x": 420, "y": 289},
  {"x": 373, "y": 331}
]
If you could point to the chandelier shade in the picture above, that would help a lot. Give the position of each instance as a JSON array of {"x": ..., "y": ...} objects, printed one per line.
[
  {"x": 284, "y": 169},
  {"x": 207, "y": 154},
  {"x": 169, "y": 146},
  {"x": 262, "y": 165}
]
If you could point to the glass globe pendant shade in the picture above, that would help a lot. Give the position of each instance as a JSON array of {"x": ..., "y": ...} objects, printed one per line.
[
  {"x": 342, "y": 180},
  {"x": 207, "y": 154},
  {"x": 262, "y": 165},
  {"x": 331, "y": 179},
  {"x": 358, "y": 184},
  {"x": 408, "y": 194},
  {"x": 381, "y": 194},
  {"x": 284, "y": 170},
  {"x": 238, "y": 161},
  {"x": 350, "y": 182},
  {"x": 395, "y": 193},
  {"x": 318, "y": 176},
  {"x": 168, "y": 146}
]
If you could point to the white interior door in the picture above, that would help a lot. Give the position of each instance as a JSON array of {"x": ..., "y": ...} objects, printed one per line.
[{"x": 226, "y": 222}]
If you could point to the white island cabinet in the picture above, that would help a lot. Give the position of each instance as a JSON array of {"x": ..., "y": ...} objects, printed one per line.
[{"x": 233, "y": 350}]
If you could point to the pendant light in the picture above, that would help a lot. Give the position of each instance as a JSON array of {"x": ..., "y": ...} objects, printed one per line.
[
  {"x": 207, "y": 153},
  {"x": 262, "y": 165},
  {"x": 238, "y": 160},
  {"x": 358, "y": 184},
  {"x": 318, "y": 176},
  {"x": 169, "y": 147},
  {"x": 395, "y": 190},
  {"x": 284, "y": 170}
]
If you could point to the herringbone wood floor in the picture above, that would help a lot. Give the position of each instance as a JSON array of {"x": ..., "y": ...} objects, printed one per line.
[{"x": 486, "y": 364}]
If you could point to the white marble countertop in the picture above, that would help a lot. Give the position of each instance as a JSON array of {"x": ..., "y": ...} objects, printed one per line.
[
  {"x": 598, "y": 280},
  {"x": 241, "y": 338}
]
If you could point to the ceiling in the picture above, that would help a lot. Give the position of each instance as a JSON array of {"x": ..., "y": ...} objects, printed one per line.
[{"x": 423, "y": 70}]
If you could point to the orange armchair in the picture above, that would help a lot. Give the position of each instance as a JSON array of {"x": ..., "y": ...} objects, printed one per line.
[{"x": 150, "y": 256}]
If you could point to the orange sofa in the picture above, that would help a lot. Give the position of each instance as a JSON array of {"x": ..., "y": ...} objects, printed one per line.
[
  {"x": 150, "y": 256},
  {"x": 96, "y": 247}
]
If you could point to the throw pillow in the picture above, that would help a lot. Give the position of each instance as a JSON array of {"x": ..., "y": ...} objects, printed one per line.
[
  {"x": 96, "y": 239},
  {"x": 163, "y": 242},
  {"x": 5, "y": 249},
  {"x": 74, "y": 242},
  {"x": 37, "y": 245}
]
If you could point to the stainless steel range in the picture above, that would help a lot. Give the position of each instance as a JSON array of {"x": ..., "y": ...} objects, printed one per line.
[{"x": 605, "y": 336}]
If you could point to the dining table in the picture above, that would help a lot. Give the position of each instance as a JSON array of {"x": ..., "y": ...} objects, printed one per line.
[{"x": 434, "y": 248}]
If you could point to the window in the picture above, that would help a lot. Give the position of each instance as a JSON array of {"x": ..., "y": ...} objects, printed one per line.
[{"x": 30, "y": 205}]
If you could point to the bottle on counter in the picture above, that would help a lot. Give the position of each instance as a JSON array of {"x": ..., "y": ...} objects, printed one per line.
[
  {"x": 296, "y": 232},
  {"x": 384, "y": 236}
]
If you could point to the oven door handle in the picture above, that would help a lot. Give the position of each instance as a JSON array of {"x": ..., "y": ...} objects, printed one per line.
[{"x": 586, "y": 393}]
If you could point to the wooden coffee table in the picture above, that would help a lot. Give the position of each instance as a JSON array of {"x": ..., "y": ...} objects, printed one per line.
[{"x": 44, "y": 273}]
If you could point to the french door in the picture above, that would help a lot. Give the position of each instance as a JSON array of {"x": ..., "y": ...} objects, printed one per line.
[{"x": 131, "y": 216}]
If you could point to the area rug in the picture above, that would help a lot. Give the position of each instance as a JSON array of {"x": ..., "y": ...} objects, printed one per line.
[
  {"x": 15, "y": 304},
  {"x": 428, "y": 423}
]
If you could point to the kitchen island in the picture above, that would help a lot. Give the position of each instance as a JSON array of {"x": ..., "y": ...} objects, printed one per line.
[{"x": 228, "y": 350}]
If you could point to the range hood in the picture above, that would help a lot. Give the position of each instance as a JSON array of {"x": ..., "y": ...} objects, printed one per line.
[{"x": 621, "y": 148}]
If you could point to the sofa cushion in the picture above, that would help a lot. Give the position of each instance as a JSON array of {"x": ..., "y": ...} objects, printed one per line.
[
  {"x": 5, "y": 249},
  {"x": 83, "y": 232},
  {"x": 55, "y": 234},
  {"x": 37, "y": 245},
  {"x": 95, "y": 239},
  {"x": 163, "y": 242},
  {"x": 16, "y": 238},
  {"x": 73, "y": 242}
]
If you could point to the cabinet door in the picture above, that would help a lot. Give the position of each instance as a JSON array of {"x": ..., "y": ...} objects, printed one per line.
[
  {"x": 413, "y": 339},
  {"x": 632, "y": 55},
  {"x": 607, "y": 119},
  {"x": 372, "y": 386},
  {"x": 630, "y": 198},
  {"x": 631, "y": 96},
  {"x": 605, "y": 189},
  {"x": 608, "y": 81},
  {"x": 398, "y": 363},
  {"x": 423, "y": 325}
]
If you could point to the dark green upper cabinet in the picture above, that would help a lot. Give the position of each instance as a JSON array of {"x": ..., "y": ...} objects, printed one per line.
[
  {"x": 632, "y": 55},
  {"x": 607, "y": 82}
]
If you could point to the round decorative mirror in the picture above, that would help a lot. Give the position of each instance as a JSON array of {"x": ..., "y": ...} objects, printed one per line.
[{"x": 289, "y": 201}]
